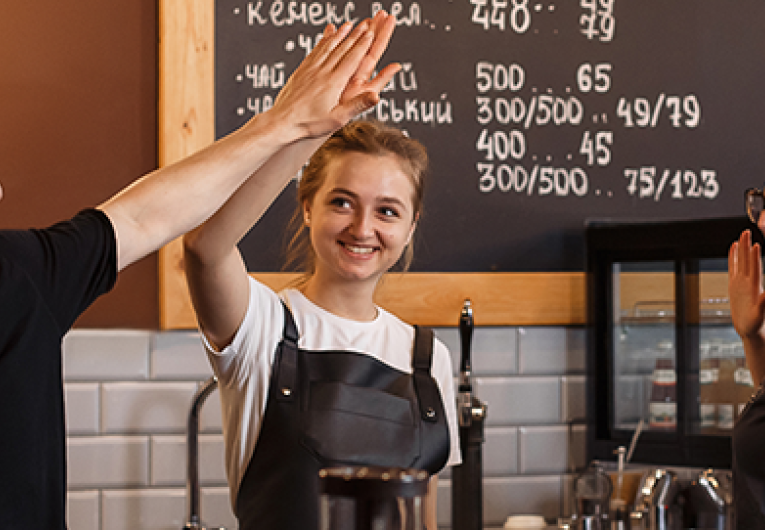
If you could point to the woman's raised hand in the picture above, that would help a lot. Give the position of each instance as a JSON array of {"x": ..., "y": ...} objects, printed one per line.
[
  {"x": 364, "y": 81},
  {"x": 334, "y": 83}
]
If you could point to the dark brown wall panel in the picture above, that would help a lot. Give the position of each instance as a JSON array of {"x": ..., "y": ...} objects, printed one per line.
[{"x": 78, "y": 121}]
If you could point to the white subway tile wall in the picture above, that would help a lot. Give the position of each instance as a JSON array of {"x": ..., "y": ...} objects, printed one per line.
[
  {"x": 107, "y": 355},
  {"x": 168, "y": 460},
  {"x": 83, "y": 400},
  {"x": 108, "y": 461},
  {"x": 84, "y": 509},
  {"x": 128, "y": 395},
  {"x": 158, "y": 509}
]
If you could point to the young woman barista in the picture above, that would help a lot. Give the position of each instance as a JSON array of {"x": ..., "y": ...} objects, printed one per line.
[
  {"x": 319, "y": 375},
  {"x": 747, "y": 304}
]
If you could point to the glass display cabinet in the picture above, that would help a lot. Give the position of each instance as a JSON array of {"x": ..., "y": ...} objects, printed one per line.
[{"x": 662, "y": 352}]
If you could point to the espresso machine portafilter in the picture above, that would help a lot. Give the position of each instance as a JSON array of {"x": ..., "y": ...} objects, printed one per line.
[{"x": 467, "y": 478}]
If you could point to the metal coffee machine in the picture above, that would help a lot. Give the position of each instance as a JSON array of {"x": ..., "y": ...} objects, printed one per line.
[
  {"x": 372, "y": 498},
  {"x": 656, "y": 504},
  {"x": 708, "y": 502},
  {"x": 592, "y": 495},
  {"x": 664, "y": 502}
]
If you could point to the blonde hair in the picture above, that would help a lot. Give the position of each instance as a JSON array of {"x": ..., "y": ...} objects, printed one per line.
[{"x": 366, "y": 137}]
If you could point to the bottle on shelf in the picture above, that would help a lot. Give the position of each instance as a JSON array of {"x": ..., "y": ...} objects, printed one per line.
[
  {"x": 709, "y": 372},
  {"x": 663, "y": 405},
  {"x": 726, "y": 405}
]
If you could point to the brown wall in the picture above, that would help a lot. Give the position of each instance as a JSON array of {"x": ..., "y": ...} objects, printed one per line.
[{"x": 78, "y": 121}]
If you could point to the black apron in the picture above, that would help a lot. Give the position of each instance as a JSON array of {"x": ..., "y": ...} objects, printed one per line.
[{"x": 337, "y": 408}]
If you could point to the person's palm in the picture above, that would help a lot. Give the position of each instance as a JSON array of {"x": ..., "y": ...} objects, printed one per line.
[{"x": 747, "y": 301}]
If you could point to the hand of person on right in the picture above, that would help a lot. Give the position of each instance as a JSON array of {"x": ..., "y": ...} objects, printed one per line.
[{"x": 747, "y": 302}]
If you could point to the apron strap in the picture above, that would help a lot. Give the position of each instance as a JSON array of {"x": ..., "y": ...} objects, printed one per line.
[
  {"x": 287, "y": 368},
  {"x": 424, "y": 385},
  {"x": 290, "y": 332}
]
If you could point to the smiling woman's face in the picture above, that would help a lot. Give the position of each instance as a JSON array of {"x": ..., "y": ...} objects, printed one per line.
[{"x": 361, "y": 218}]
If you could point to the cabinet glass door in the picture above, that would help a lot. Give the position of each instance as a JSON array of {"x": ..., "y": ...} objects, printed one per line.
[
  {"x": 662, "y": 352},
  {"x": 724, "y": 381},
  {"x": 644, "y": 378}
]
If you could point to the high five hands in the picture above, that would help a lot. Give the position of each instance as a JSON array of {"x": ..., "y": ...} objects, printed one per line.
[{"x": 335, "y": 82}]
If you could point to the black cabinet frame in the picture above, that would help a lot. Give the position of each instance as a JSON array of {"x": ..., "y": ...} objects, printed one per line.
[{"x": 683, "y": 243}]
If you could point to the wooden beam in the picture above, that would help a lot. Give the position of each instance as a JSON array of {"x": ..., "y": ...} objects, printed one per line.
[
  {"x": 435, "y": 299},
  {"x": 186, "y": 119}
]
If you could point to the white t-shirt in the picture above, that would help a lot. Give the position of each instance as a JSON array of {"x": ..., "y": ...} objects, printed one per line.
[{"x": 244, "y": 367}]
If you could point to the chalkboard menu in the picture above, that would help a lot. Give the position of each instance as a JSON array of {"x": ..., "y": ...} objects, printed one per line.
[{"x": 537, "y": 115}]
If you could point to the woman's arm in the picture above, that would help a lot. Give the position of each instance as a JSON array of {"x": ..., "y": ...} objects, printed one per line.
[
  {"x": 747, "y": 301},
  {"x": 172, "y": 200},
  {"x": 215, "y": 272}
]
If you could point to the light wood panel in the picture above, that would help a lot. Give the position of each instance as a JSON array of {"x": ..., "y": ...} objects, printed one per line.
[
  {"x": 186, "y": 122},
  {"x": 642, "y": 294},
  {"x": 432, "y": 299}
]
